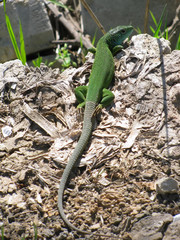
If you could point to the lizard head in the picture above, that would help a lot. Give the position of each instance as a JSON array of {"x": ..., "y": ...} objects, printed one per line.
[{"x": 117, "y": 35}]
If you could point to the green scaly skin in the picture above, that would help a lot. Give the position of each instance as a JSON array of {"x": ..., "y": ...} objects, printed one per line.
[{"x": 96, "y": 94}]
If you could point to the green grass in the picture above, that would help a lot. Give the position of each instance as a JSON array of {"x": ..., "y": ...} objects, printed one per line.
[
  {"x": 37, "y": 62},
  {"x": 157, "y": 33},
  {"x": 35, "y": 231},
  {"x": 178, "y": 43},
  {"x": 2, "y": 232},
  {"x": 21, "y": 54}
]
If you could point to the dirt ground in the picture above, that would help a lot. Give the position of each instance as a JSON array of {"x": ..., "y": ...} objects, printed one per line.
[{"x": 136, "y": 141}]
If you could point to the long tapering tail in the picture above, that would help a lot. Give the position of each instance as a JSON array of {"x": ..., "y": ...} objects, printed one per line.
[{"x": 85, "y": 135}]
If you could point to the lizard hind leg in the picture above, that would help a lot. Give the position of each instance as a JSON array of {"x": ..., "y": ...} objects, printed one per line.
[
  {"x": 107, "y": 98},
  {"x": 80, "y": 93}
]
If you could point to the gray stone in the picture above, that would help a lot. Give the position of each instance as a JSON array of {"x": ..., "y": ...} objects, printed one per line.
[
  {"x": 176, "y": 218},
  {"x": 166, "y": 186},
  {"x": 173, "y": 231},
  {"x": 151, "y": 227},
  {"x": 36, "y": 26}
]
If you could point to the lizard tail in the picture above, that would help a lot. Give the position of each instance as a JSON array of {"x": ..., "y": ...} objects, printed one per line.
[{"x": 85, "y": 135}]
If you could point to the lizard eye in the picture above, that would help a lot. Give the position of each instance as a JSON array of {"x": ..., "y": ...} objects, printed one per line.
[{"x": 123, "y": 31}]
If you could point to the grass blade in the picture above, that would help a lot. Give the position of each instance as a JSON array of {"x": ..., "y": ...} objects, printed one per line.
[
  {"x": 178, "y": 43},
  {"x": 37, "y": 62},
  {"x": 153, "y": 18},
  {"x": 94, "y": 38},
  {"x": 138, "y": 30},
  {"x": 12, "y": 37},
  {"x": 22, "y": 45},
  {"x": 157, "y": 33},
  {"x": 152, "y": 29},
  {"x": 11, "y": 33},
  {"x": 166, "y": 34},
  {"x": 35, "y": 232},
  {"x": 2, "y": 232}
]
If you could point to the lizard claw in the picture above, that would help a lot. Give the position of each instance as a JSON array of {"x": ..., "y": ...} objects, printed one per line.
[{"x": 97, "y": 110}]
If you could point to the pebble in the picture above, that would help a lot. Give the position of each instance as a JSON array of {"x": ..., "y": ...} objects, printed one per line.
[
  {"x": 173, "y": 231},
  {"x": 166, "y": 185},
  {"x": 150, "y": 227},
  {"x": 6, "y": 131},
  {"x": 176, "y": 218}
]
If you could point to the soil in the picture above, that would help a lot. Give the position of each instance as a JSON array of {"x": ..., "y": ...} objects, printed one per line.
[{"x": 134, "y": 143}]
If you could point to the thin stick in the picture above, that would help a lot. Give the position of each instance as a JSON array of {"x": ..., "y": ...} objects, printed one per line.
[
  {"x": 93, "y": 16},
  {"x": 146, "y": 16}
]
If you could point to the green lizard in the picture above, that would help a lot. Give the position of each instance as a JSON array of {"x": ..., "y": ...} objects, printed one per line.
[{"x": 93, "y": 97}]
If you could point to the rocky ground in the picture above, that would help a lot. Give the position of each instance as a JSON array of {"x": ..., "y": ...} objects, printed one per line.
[{"x": 136, "y": 142}]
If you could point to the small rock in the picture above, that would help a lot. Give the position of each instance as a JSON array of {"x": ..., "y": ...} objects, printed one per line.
[
  {"x": 48, "y": 232},
  {"x": 174, "y": 152},
  {"x": 103, "y": 181},
  {"x": 176, "y": 218},
  {"x": 95, "y": 226},
  {"x": 148, "y": 174},
  {"x": 166, "y": 186},
  {"x": 22, "y": 205},
  {"x": 173, "y": 231},
  {"x": 151, "y": 227},
  {"x": 7, "y": 185},
  {"x": 6, "y": 131},
  {"x": 62, "y": 236},
  {"x": 22, "y": 175}
]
